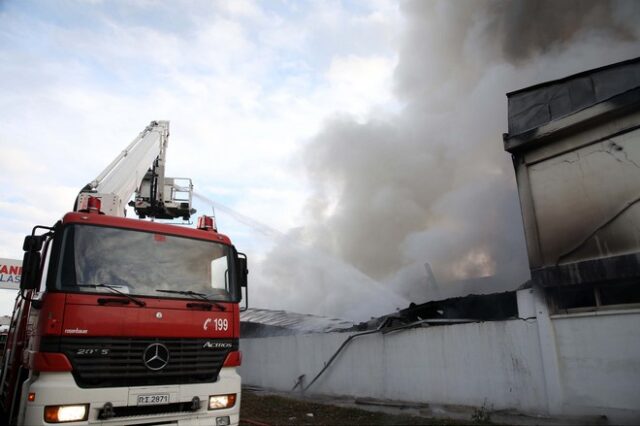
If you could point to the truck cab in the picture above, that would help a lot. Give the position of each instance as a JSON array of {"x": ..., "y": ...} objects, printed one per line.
[{"x": 123, "y": 321}]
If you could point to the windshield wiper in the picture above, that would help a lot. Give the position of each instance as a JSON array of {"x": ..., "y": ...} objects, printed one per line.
[
  {"x": 116, "y": 291},
  {"x": 195, "y": 295}
]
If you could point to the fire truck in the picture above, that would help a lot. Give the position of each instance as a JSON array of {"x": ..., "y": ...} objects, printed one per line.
[{"x": 127, "y": 321}]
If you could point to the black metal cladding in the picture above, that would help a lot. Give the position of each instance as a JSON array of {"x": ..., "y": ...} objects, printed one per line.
[{"x": 191, "y": 360}]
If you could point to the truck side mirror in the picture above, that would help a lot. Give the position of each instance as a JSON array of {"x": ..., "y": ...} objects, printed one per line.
[
  {"x": 31, "y": 261},
  {"x": 33, "y": 242},
  {"x": 243, "y": 272},
  {"x": 30, "y": 278}
]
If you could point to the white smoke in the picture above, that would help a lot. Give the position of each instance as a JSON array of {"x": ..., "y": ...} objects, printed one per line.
[
  {"x": 328, "y": 285},
  {"x": 432, "y": 184}
]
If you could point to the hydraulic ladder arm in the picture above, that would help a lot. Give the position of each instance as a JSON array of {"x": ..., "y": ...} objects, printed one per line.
[{"x": 139, "y": 170}]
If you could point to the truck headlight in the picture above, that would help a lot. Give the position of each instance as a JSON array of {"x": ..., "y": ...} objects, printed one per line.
[
  {"x": 66, "y": 413},
  {"x": 218, "y": 402}
]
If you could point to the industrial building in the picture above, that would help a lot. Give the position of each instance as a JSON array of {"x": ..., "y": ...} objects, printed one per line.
[{"x": 564, "y": 346}]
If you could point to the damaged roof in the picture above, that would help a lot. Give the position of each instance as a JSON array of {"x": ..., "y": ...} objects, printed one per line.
[
  {"x": 454, "y": 310},
  {"x": 256, "y": 322},
  {"x": 473, "y": 307}
]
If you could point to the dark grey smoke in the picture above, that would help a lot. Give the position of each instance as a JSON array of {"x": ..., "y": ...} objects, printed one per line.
[
  {"x": 433, "y": 184},
  {"x": 528, "y": 28},
  {"x": 456, "y": 42}
]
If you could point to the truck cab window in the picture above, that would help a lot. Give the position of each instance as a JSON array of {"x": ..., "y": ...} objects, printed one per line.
[
  {"x": 219, "y": 274},
  {"x": 139, "y": 263}
]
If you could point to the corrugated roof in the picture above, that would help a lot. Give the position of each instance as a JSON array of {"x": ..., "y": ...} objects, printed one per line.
[{"x": 303, "y": 323}]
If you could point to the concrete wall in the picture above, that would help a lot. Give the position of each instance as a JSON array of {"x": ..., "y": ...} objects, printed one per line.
[
  {"x": 599, "y": 357},
  {"x": 595, "y": 182},
  {"x": 421, "y": 365},
  {"x": 559, "y": 365}
]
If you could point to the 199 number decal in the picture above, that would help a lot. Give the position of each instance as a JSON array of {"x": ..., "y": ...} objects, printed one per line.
[{"x": 219, "y": 324}]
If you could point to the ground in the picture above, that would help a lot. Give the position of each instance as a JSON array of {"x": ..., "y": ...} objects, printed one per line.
[{"x": 259, "y": 409}]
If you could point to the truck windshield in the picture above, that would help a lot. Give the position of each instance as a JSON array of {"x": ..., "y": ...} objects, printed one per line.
[{"x": 141, "y": 263}]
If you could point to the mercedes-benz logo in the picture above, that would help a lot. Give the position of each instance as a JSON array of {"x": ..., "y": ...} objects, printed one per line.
[{"x": 156, "y": 356}]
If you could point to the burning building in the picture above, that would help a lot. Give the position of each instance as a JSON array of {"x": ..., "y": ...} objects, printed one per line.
[
  {"x": 566, "y": 345},
  {"x": 576, "y": 150}
]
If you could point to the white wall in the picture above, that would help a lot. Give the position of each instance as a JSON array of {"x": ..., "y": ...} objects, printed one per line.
[
  {"x": 465, "y": 364},
  {"x": 587, "y": 364},
  {"x": 599, "y": 357}
]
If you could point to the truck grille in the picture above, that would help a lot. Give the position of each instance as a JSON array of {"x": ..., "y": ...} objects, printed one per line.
[
  {"x": 148, "y": 410},
  {"x": 111, "y": 362}
]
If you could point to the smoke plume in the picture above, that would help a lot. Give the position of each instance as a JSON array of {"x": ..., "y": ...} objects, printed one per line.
[{"x": 432, "y": 184}]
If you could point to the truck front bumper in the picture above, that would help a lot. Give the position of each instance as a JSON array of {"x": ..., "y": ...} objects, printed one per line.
[{"x": 51, "y": 389}]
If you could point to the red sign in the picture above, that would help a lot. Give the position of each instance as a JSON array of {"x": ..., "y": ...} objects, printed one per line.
[{"x": 10, "y": 272}]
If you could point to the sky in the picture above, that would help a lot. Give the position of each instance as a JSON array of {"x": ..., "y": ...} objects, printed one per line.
[{"x": 353, "y": 148}]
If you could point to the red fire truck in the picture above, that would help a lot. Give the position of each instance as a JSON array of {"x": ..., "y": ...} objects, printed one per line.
[{"x": 126, "y": 321}]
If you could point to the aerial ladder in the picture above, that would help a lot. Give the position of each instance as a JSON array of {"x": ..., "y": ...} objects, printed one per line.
[{"x": 140, "y": 169}]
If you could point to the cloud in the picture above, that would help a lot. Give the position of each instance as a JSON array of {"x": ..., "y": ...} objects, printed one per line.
[
  {"x": 243, "y": 83},
  {"x": 360, "y": 82}
]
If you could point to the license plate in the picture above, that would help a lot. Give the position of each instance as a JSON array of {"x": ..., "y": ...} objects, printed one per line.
[{"x": 159, "y": 398}]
